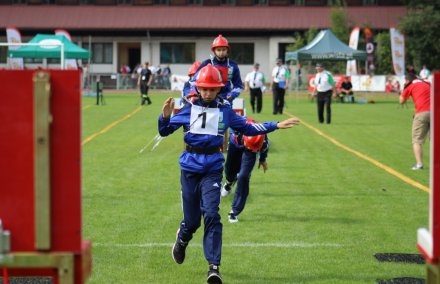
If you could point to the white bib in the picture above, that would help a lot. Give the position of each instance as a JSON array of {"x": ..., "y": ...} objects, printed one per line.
[{"x": 204, "y": 120}]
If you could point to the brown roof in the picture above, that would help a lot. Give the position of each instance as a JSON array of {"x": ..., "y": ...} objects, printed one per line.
[{"x": 191, "y": 17}]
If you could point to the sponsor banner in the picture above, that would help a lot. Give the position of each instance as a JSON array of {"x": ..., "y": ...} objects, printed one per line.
[
  {"x": 369, "y": 83},
  {"x": 69, "y": 63},
  {"x": 14, "y": 36},
  {"x": 398, "y": 51},
  {"x": 354, "y": 40},
  {"x": 360, "y": 83},
  {"x": 178, "y": 81},
  {"x": 369, "y": 39}
]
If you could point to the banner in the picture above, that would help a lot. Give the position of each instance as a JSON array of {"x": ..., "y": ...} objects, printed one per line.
[
  {"x": 354, "y": 40},
  {"x": 14, "y": 36},
  {"x": 398, "y": 51},
  {"x": 69, "y": 63},
  {"x": 369, "y": 39}
]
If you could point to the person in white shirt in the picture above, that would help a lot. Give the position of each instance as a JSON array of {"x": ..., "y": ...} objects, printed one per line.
[
  {"x": 254, "y": 82},
  {"x": 424, "y": 73},
  {"x": 279, "y": 85},
  {"x": 324, "y": 88}
]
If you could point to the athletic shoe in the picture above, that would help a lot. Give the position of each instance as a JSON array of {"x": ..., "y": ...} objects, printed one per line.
[
  {"x": 178, "y": 251},
  {"x": 417, "y": 167},
  {"x": 226, "y": 189},
  {"x": 232, "y": 218},
  {"x": 214, "y": 276}
]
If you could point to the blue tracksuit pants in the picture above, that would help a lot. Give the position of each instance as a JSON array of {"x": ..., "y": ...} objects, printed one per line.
[
  {"x": 201, "y": 197},
  {"x": 241, "y": 162}
]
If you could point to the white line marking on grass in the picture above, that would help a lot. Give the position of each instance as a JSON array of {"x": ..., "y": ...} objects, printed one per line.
[
  {"x": 365, "y": 157},
  {"x": 110, "y": 126},
  {"x": 247, "y": 244}
]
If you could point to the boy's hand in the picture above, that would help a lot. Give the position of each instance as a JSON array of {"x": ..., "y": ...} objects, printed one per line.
[
  {"x": 264, "y": 164},
  {"x": 288, "y": 123},
  {"x": 168, "y": 108}
]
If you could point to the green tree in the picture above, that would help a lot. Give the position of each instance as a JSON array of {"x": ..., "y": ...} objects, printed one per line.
[
  {"x": 311, "y": 34},
  {"x": 339, "y": 23},
  {"x": 383, "y": 60},
  {"x": 420, "y": 28},
  {"x": 299, "y": 42}
]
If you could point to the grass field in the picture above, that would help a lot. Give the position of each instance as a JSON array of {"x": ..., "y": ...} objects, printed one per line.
[{"x": 318, "y": 215}]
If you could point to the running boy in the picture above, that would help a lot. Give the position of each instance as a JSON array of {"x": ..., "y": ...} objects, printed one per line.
[{"x": 205, "y": 122}]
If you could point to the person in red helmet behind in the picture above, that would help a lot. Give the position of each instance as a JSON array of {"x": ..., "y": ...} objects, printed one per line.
[
  {"x": 240, "y": 161},
  {"x": 229, "y": 70},
  {"x": 205, "y": 122},
  {"x": 189, "y": 90}
]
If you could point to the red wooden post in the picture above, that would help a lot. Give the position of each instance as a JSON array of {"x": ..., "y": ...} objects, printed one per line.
[
  {"x": 428, "y": 241},
  {"x": 42, "y": 217}
]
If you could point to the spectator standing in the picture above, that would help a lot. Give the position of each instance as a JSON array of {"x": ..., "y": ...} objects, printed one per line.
[
  {"x": 279, "y": 85},
  {"x": 420, "y": 91},
  {"x": 240, "y": 161},
  {"x": 205, "y": 122},
  {"x": 424, "y": 73},
  {"x": 166, "y": 74},
  {"x": 324, "y": 88},
  {"x": 124, "y": 76},
  {"x": 298, "y": 76},
  {"x": 347, "y": 90},
  {"x": 144, "y": 81},
  {"x": 228, "y": 69},
  {"x": 254, "y": 82}
]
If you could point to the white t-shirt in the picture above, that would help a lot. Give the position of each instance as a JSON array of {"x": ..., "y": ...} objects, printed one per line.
[
  {"x": 324, "y": 81},
  {"x": 280, "y": 74},
  {"x": 255, "y": 79}
]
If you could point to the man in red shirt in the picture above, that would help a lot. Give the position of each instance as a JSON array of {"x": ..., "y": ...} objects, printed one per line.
[{"x": 420, "y": 91}]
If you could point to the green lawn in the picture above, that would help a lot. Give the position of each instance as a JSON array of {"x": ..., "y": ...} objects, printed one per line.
[{"x": 318, "y": 215}]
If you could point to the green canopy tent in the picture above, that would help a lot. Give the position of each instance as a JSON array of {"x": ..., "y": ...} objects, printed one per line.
[
  {"x": 50, "y": 46},
  {"x": 326, "y": 46}
]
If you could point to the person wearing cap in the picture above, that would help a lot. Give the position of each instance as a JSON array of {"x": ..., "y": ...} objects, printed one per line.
[
  {"x": 346, "y": 90},
  {"x": 420, "y": 91},
  {"x": 205, "y": 122},
  {"x": 324, "y": 88},
  {"x": 279, "y": 85},
  {"x": 240, "y": 161},
  {"x": 254, "y": 82},
  {"x": 229, "y": 70}
]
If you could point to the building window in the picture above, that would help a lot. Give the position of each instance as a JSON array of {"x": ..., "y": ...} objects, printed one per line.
[
  {"x": 262, "y": 2},
  {"x": 171, "y": 53},
  {"x": 102, "y": 53},
  {"x": 297, "y": 2},
  {"x": 195, "y": 2},
  {"x": 370, "y": 2},
  {"x": 228, "y": 2},
  {"x": 160, "y": 2},
  {"x": 3, "y": 54},
  {"x": 242, "y": 53}
]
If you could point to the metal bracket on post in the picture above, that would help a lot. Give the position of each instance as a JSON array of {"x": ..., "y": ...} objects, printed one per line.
[{"x": 42, "y": 120}]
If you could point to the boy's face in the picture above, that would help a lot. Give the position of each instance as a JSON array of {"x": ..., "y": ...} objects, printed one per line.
[
  {"x": 221, "y": 52},
  {"x": 208, "y": 94}
]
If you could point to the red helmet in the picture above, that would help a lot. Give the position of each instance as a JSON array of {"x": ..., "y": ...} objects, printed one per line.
[
  {"x": 209, "y": 77},
  {"x": 193, "y": 69},
  {"x": 253, "y": 143},
  {"x": 219, "y": 41}
]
